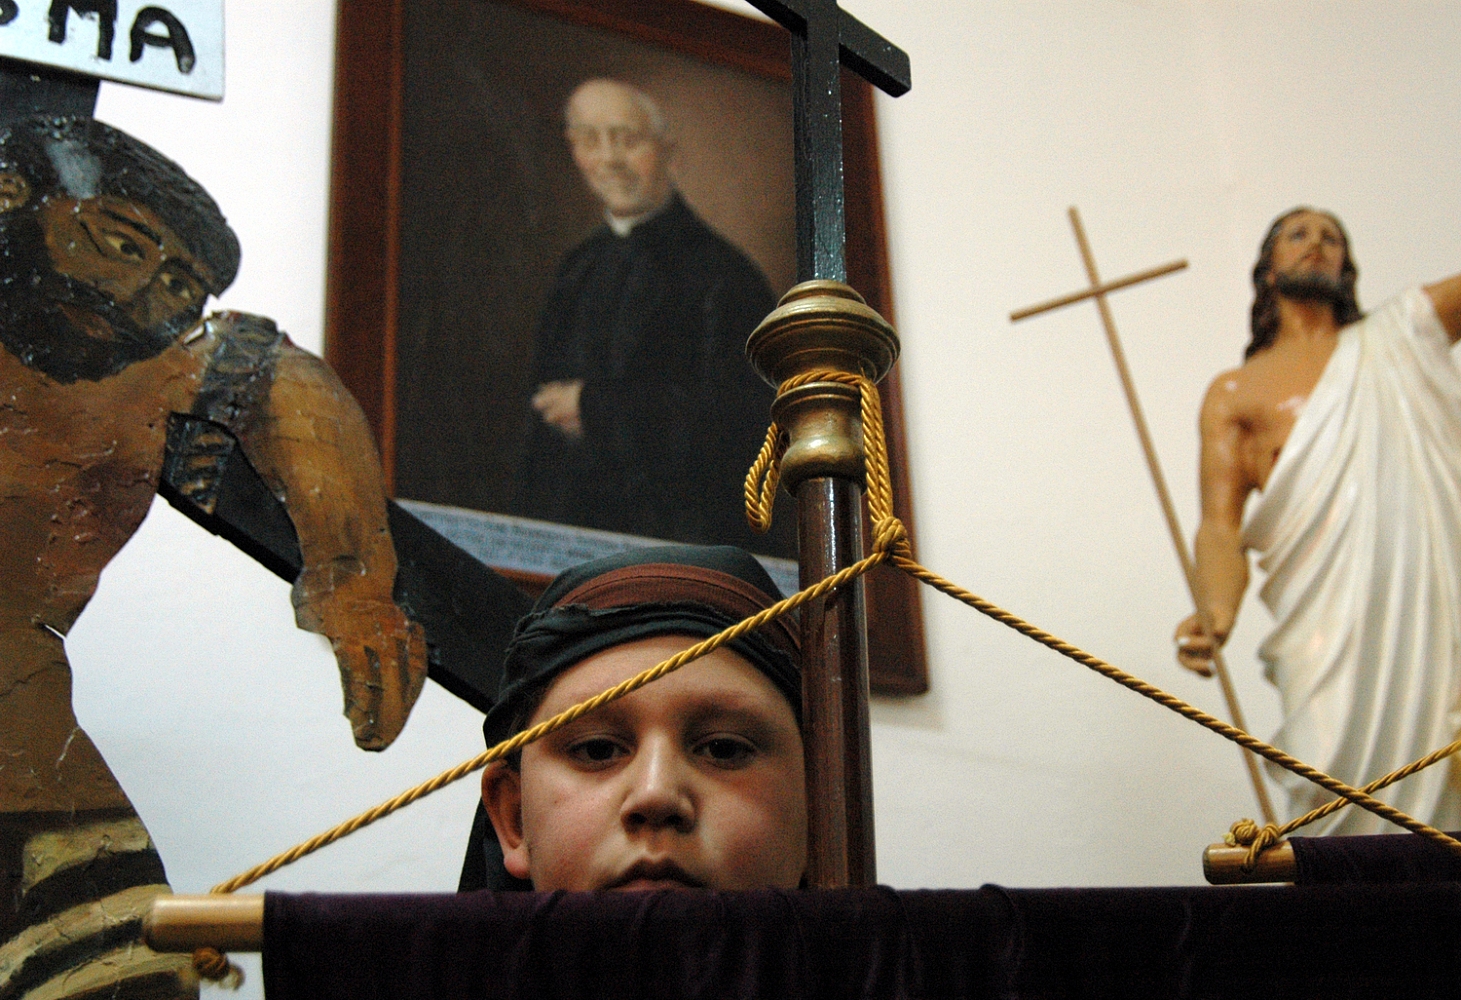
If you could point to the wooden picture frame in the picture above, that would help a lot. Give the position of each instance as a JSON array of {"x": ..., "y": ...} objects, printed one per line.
[{"x": 368, "y": 256}]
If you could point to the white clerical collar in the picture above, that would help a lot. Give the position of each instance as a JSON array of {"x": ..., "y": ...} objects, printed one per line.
[{"x": 624, "y": 226}]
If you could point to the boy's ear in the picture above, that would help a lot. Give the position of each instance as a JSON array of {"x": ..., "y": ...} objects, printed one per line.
[{"x": 502, "y": 795}]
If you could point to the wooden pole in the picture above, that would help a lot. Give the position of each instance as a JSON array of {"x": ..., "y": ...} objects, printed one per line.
[
  {"x": 838, "y": 738},
  {"x": 825, "y": 326},
  {"x": 1090, "y": 293},
  {"x": 1169, "y": 511}
]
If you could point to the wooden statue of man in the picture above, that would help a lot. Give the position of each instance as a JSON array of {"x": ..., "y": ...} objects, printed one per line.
[
  {"x": 1350, "y": 427},
  {"x": 108, "y": 252}
]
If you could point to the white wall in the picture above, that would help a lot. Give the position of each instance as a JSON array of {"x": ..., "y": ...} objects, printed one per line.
[{"x": 1179, "y": 129}]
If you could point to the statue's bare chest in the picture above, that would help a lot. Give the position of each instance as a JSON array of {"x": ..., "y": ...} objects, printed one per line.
[
  {"x": 1273, "y": 396},
  {"x": 79, "y": 463}
]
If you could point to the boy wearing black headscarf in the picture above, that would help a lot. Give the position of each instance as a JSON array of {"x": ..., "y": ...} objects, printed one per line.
[{"x": 696, "y": 780}]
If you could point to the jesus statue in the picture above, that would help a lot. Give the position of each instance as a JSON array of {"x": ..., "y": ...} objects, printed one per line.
[{"x": 1349, "y": 427}]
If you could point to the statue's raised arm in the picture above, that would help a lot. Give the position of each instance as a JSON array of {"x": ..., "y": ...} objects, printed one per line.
[{"x": 1445, "y": 296}]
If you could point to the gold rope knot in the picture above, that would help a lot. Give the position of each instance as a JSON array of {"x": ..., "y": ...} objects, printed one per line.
[
  {"x": 1247, "y": 833},
  {"x": 214, "y": 966},
  {"x": 1241, "y": 833},
  {"x": 891, "y": 537}
]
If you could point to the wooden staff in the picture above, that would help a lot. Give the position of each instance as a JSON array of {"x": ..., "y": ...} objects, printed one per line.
[
  {"x": 1098, "y": 292},
  {"x": 825, "y": 326}
]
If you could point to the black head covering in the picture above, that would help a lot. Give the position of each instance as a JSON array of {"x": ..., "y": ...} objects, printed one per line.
[{"x": 687, "y": 590}]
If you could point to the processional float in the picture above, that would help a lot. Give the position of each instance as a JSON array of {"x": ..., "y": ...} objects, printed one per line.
[{"x": 825, "y": 349}]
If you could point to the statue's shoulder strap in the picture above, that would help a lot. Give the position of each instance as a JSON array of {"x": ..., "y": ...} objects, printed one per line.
[{"x": 238, "y": 371}]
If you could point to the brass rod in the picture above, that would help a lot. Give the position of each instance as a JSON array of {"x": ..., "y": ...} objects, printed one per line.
[
  {"x": 185, "y": 923},
  {"x": 1090, "y": 293},
  {"x": 1169, "y": 510},
  {"x": 1223, "y": 865}
]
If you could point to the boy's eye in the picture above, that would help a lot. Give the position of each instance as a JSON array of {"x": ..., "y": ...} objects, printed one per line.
[
  {"x": 596, "y": 750},
  {"x": 726, "y": 751}
]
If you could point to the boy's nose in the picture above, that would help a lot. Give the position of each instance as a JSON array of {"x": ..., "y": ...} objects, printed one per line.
[{"x": 659, "y": 795}]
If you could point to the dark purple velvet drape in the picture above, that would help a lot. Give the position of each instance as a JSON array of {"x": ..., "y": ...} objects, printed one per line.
[{"x": 1258, "y": 942}]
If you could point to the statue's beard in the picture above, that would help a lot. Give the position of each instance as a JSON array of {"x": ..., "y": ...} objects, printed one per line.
[
  {"x": 1309, "y": 286},
  {"x": 36, "y": 330}
]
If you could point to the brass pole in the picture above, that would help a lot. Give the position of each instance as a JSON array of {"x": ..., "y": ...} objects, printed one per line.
[
  {"x": 1223, "y": 865},
  {"x": 826, "y": 326},
  {"x": 186, "y": 923}
]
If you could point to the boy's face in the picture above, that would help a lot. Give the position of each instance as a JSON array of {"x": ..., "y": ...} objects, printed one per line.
[{"x": 694, "y": 780}]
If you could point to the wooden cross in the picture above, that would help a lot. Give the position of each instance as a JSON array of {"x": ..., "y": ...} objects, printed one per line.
[
  {"x": 26, "y": 89},
  {"x": 1099, "y": 291},
  {"x": 825, "y": 37}
]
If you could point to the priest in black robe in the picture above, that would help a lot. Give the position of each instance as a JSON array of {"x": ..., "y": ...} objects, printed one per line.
[{"x": 646, "y": 413}]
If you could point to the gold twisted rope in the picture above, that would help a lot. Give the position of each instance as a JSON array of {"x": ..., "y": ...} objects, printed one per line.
[
  {"x": 820, "y": 589},
  {"x": 889, "y": 544},
  {"x": 891, "y": 537},
  {"x": 1247, "y": 833},
  {"x": 211, "y": 964},
  {"x": 765, "y": 474}
]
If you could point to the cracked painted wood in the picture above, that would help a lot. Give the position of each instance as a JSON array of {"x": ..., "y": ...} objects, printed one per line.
[{"x": 108, "y": 252}]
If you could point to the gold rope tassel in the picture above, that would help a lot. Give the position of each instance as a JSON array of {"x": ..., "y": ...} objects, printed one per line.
[
  {"x": 214, "y": 966},
  {"x": 889, "y": 544}
]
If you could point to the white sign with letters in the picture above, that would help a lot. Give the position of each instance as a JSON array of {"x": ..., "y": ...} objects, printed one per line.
[{"x": 174, "y": 45}]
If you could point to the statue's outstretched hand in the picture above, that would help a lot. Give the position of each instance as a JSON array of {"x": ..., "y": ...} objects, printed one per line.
[
  {"x": 313, "y": 446},
  {"x": 382, "y": 660},
  {"x": 1195, "y": 646}
]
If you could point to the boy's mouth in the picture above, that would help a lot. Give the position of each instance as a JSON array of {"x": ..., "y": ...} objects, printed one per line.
[{"x": 645, "y": 875}]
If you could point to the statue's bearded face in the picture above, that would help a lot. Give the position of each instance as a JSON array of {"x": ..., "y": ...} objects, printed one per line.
[
  {"x": 91, "y": 285},
  {"x": 1308, "y": 258}
]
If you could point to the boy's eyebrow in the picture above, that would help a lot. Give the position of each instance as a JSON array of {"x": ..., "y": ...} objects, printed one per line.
[
  {"x": 711, "y": 708},
  {"x": 749, "y": 714}
]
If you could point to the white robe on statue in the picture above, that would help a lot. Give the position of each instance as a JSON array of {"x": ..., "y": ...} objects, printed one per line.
[{"x": 1359, "y": 530}]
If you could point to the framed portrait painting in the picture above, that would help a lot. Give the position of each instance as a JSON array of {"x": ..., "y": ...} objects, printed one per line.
[{"x": 553, "y": 225}]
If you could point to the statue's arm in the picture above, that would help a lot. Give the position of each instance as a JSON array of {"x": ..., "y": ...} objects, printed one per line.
[
  {"x": 1446, "y": 297},
  {"x": 1222, "y": 560},
  {"x": 315, "y": 449}
]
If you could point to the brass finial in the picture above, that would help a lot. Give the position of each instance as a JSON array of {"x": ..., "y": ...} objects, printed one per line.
[{"x": 821, "y": 326}]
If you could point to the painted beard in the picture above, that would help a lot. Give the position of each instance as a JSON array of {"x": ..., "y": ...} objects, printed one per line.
[
  {"x": 34, "y": 328},
  {"x": 1309, "y": 286}
]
